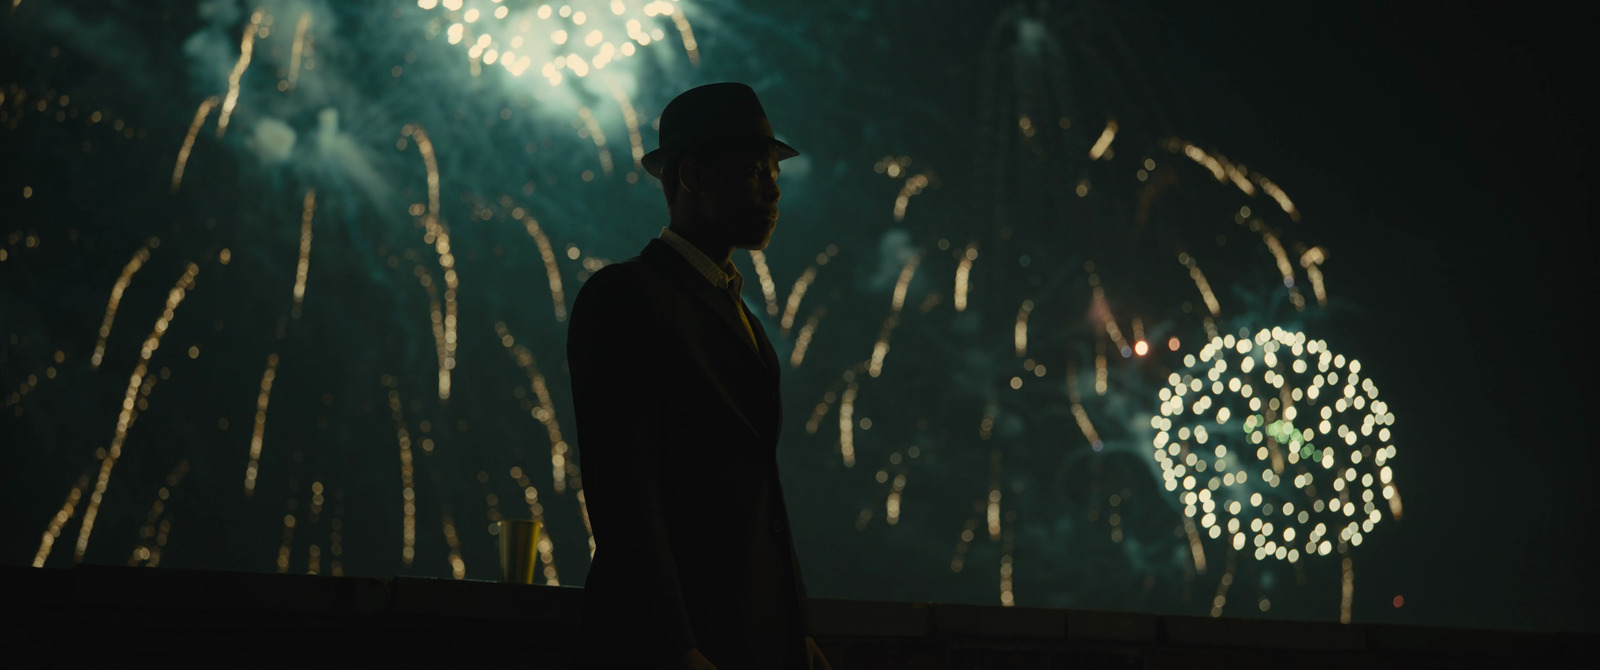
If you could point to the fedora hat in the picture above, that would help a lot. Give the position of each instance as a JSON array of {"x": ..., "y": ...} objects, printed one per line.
[{"x": 712, "y": 115}]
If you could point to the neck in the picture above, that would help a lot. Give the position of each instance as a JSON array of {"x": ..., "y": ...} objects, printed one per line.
[{"x": 718, "y": 250}]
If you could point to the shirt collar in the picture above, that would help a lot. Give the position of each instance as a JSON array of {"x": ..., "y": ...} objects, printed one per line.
[{"x": 721, "y": 277}]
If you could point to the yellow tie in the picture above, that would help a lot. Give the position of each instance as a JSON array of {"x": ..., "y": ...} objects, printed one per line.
[{"x": 735, "y": 285}]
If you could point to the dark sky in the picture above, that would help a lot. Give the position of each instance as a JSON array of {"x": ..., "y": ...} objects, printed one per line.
[
  {"x": 1442, "y": 155},
  {"x": 1439, "y": 157}
]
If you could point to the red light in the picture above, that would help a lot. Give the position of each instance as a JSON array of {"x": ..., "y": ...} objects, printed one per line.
[
  {"x": 1399, "y": 601},
  {"x": 1172, "y": 344}
]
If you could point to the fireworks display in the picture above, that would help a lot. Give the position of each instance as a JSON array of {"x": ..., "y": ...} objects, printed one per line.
[
  {"x": 1306, "y": 464},
  {"x": 345, "y": 242}
]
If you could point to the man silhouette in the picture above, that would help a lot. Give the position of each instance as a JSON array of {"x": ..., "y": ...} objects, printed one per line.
[{"x": 675, "y": 387}]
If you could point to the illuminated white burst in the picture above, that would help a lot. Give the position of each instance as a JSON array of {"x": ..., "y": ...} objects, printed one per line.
[
  {"x": 1277, "y": 446},
  {"x": 575, "y": 39}
]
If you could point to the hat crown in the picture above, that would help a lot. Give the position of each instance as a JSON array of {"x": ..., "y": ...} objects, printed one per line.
[
  {"x": 710, "y": 115},
  {"x": 707, "y": 107}
]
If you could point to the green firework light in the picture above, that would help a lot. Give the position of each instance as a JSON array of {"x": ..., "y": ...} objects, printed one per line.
[{"x": 1277, "y": 446}]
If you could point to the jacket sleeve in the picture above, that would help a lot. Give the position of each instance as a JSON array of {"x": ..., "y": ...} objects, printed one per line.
[{"x": 617, "y": 386}]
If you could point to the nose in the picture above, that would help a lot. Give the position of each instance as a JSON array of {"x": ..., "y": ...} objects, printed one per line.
[{"x": 769, "y": 187}]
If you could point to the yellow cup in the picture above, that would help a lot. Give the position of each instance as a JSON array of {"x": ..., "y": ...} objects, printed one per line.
[{"x": 519, "y": 549}]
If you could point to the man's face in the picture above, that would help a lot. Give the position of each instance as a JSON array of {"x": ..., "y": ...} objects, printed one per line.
[{"x": 740, "y": 194}]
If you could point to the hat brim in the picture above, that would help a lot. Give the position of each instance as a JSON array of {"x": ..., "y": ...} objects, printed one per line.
[{"x": 656, "y": 160}]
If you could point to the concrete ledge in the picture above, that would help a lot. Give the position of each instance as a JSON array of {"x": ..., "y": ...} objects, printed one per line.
[
  {"x": 207, "y": 591},
  {"x": 210, "y": 618},
  {"x": 538, "y": 604},
  {"x": 1261, "y": 633},
  {"x": 1029, "y": 623},
  {"x": 1113, "y": 626},
  {"x": 831, "y": 616}
]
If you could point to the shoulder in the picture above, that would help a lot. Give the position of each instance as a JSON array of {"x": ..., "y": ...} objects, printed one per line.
[
  {"x": 622, "y": 281},
  {"x": 629, "y": 291}
]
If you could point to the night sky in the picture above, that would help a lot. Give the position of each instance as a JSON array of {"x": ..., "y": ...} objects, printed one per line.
[
  {"x": 1437, "y": 158},
  {"x": 1447, "y": 146}
]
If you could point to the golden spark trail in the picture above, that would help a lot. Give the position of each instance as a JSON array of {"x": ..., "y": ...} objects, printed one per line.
[
  {"x": 963, "y": 271},
  {"x": 1347, "y": 589},
  {"x": 892, "y": 504},
  {"x": 958, "y": 561},
  {"x": 1102, "y": 310},
  {"x": 133, "y": 266},
  {"x": 1078, "y": 412},
  {"x": 995, "y": 471},
  {"x": 913, "y": 186},
  {"x": 1103, "y": 144},
  {"x": 545, "y": 413},
  {"x": 880, "y": 350},
  {"x": 1278, "y": 195},
  {"x": 1284, "y": 267},
  {"x": 903, "y": 284},
  {"x": 993, "y": 513},
  {"x": 631, "y": 118},
  {"x": 53, "y": 531},
  {"x": 246, "y": 47},
  {"x": 298, "y": 50},
  {"x": 1221, "y": 598},
  {"x": 1195, "y": 548},
  {"x": 690, "y": 47},
  {"x": 1201, "y": 283},
  {"x": 1100, "y": 375},
  {"x": 847, "y": 411},
  {"x": 1007, "y": 599},
  {"x": 288, "y": 543},
  {"x": 552, "y": 269},
  {"x": 803, "y": 340},
  {"x": 258, "y": 434},
  {"x": 200, "y": 115},
  {"x": 316, "y": 500},
  {"x": 438, "y": 235},
  {"x": 1241, "y": 178},
  {"x": 1312, "y": 261},
  {"x": 797, "y": 294},
  {"x": 162, "y": 532},
  {"x": 304, "y": 267},
  {"x": 769, "y": 290},
  {"x": 129, "y": 404},
  {"x": 1021, "y": 330},
  {"x": 408, "y": 492},
  {"x": 144, "y": 551},
  {"x": 435, "y": 318},
  {"x": 820, "y": 412},
  {"x": 458, "y": 568},
  {"x": 1199, "y": 156},
  {"x": 1237, "y": 174},
  {"x": 599, "y": 137}
]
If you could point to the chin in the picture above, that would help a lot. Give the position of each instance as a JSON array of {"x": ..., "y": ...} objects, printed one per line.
[
  {"x": 760, "y": 242},
  {"x": 756, "y": 245}
]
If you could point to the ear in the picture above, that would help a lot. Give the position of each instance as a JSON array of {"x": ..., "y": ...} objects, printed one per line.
[{"x": 689, "y": 174}]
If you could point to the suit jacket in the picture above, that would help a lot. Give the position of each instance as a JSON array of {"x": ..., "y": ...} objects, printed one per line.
[{"x": 678, "y": 420}]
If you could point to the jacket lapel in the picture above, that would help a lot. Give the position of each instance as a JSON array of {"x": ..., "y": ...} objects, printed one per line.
[
  {"x": 664, "y": 256},
  {"x": 768, "y": 355}
]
